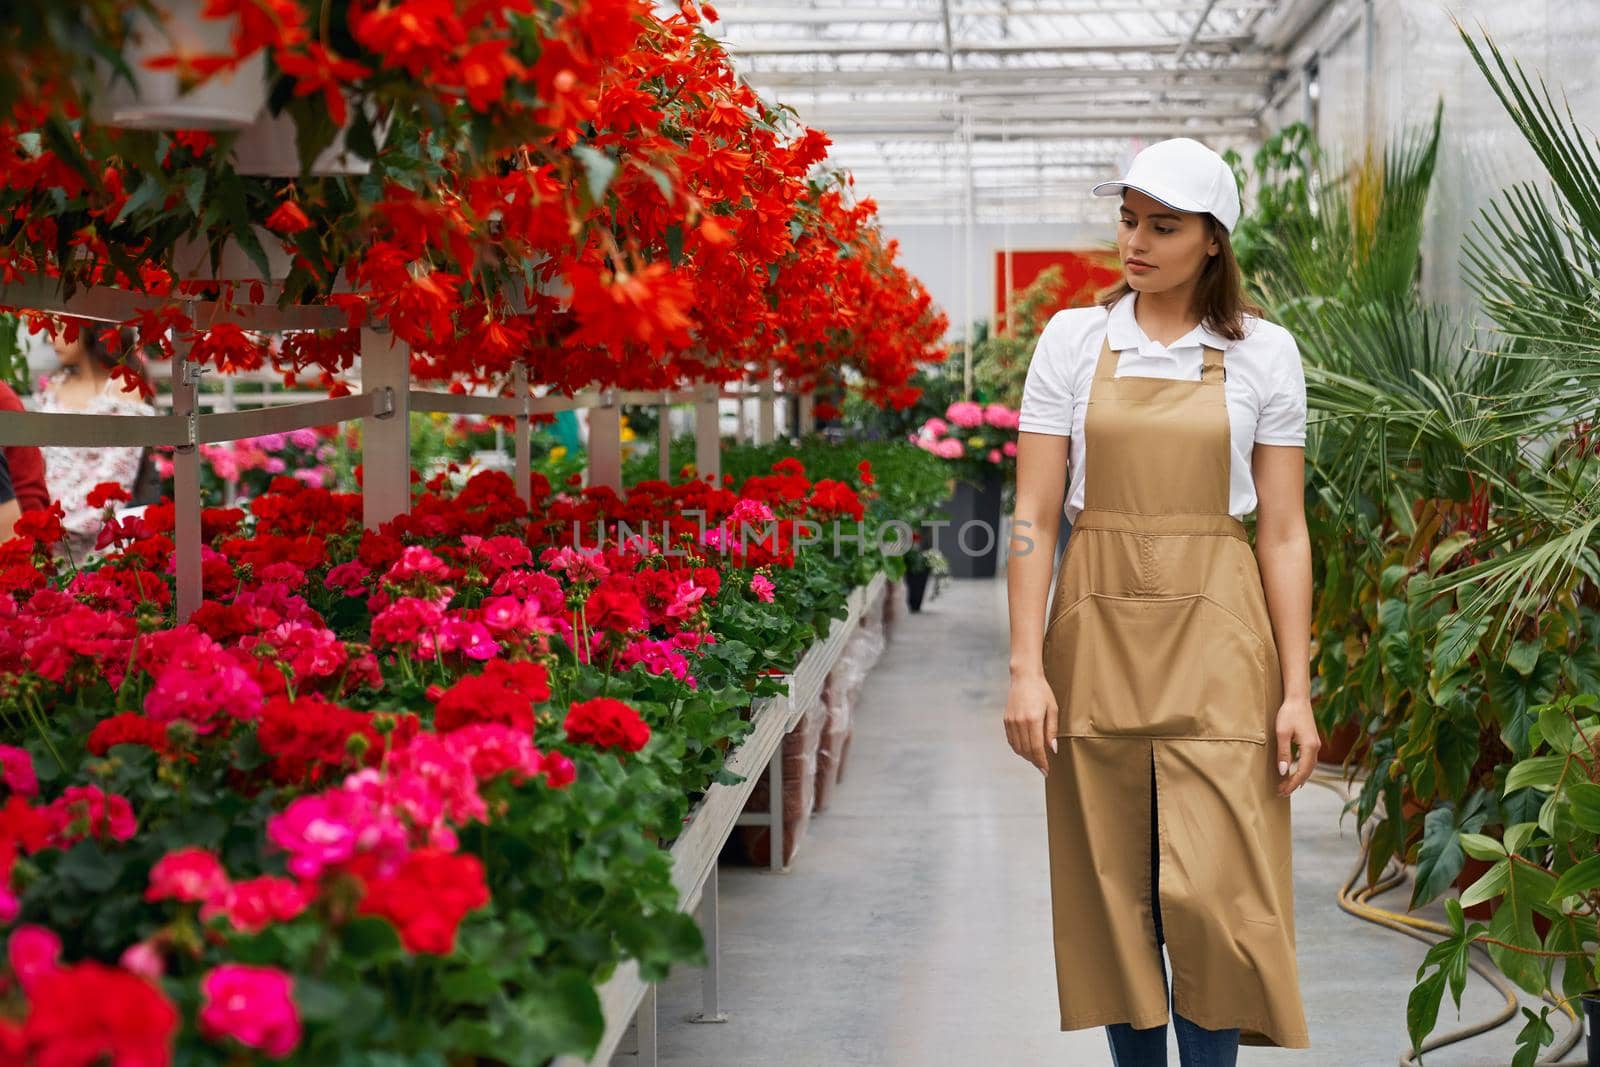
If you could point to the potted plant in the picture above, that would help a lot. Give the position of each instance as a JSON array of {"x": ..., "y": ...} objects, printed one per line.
[
  {"x": 179, "y": 69},
  {"x": 921, "y": 564},
  {"x": 979, "y": 441},
  {"x": 1544, "y": 867}
]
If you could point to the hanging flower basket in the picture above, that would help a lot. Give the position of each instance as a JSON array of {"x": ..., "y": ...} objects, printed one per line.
[
  {"x": 191, "y": 259},
  {"x": 230, "y": 99},
  {"x": 267, "y": 147}
]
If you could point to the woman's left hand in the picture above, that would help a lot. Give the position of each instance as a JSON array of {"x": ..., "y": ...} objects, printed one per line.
[{"x": 1296, "y": 725}]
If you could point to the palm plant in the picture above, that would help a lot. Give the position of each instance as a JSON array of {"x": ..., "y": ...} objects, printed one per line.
[
  {"x": 1453, "y": 494},
  {"x": 1451, "y": 482}
]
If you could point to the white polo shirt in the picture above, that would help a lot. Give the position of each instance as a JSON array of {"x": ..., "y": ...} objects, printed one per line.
[{"x": 1265, "y": 388}]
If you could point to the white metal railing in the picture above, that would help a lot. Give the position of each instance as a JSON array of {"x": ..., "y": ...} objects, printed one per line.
[{"x": 384, "y": 404}]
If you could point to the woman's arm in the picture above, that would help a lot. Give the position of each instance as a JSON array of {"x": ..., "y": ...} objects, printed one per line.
[
  {"x": 1283, "y": 550},
  {"x": 1035, "y": 523}
]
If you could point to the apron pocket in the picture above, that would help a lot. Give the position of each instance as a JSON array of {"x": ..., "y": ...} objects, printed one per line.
[{"x": 1156, "y": 666}]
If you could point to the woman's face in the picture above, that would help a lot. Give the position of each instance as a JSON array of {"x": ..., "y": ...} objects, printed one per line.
[
  {"x": 69, "y": 353},
  {"x": 1162, "y": 248}
]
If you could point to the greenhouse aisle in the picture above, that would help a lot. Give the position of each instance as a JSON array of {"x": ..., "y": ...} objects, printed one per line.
[{"x": 913, "y": 926}]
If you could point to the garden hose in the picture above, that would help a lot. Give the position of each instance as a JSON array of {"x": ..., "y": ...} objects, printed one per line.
[{"x": 1355, "y": 902}]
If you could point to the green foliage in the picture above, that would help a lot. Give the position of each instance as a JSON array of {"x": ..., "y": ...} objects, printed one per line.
[{"x": 1000, "y": 361}]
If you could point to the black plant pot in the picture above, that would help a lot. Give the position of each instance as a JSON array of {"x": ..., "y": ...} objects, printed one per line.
[
  {"x": 971, "y": 540},
  {"x": 916, "y": 585},
  {"x": 1591, "y": 1024}
]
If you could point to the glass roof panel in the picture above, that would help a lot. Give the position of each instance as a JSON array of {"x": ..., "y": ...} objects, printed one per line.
[{"x": 1015, "y": 106}]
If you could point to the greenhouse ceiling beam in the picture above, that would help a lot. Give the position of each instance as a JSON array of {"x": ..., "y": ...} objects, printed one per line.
[
  {"x": 824, "y": 116},
  {"x": 1246, "y": 70},
  {"x": 1053, "y": 130},
  {"x": 1254, "y": 88},
  {"x": 949, "y": 36},
  {"x": 1224, "y": 43},
  {"x": 821, "y": 16}
]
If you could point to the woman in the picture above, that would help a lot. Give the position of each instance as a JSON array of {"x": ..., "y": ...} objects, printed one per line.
[
  {"x": 1165, "y": 696},
  {"x": 84, "y": 385}
]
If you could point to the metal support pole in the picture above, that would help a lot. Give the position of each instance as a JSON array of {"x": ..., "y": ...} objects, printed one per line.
[
  {"x": 766, "y": 416},
  {"x": 710, "y": 1011},
  {"x": 708, "y": 434},
  {"x": 521, "y": 473},
  {"x": 186, "y": 486},
  {"x": 664, "y": 442},
  {"x": 775, "y": 807},
  {"x": 385, "y": 439},
  {"x": 969, "y": 260},
  {"x": 605, "y": 441}
]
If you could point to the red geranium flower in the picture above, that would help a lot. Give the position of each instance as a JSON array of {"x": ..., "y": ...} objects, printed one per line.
[
  {"x": 427, "y": 898},
  {"x": 90, "y": 1013},
  {"x": 606, "y": 723}
]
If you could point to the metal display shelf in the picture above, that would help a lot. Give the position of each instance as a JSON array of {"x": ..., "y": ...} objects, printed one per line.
[{"x": 625, "y": 999}]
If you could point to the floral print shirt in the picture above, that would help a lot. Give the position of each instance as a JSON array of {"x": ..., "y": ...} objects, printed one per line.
[{"x": 72, "y": 472}]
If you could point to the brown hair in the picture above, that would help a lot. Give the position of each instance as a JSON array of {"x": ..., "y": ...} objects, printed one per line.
[
  {"x": 127, "y": 353},
  {"x": 1218, "y": 293}
]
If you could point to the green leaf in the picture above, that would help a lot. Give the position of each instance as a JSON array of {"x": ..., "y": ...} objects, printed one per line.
[
  {"x": 89, "y": 868},
  {"x": 1491, "y": 885},
  {"x": 194, "y": 189},
  {"x": 371, "y": 940},
  {"x": 1581, "y": 877},
  {"x": 1585, "y": 798},
  {"x": 1541, "y": 771},
  {"x": 1458, "y": 637},
  {"x": 598, "y": 170},
  {"x": 1532, "y": 1037},
  {"x": 1516, "y": 836},
  {"x": 1447, "y": 549},
  {"x": 1422, "y": 1008},
  {"x": 147, "y": 195},
  {"x": 1440, "y": 857},
  {"x": 1524, "y": 656},
  {"x": 1483, "y": 848}
]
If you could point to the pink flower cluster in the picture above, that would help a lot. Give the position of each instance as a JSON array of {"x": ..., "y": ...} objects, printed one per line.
[
  {"x": 966, "y": 415},
  {"x": 196, "y": 680}
]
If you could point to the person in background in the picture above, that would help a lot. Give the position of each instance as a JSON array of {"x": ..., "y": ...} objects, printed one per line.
[
  {"x": 84, "y": 385},
  {"x": 23, "y": 487}
]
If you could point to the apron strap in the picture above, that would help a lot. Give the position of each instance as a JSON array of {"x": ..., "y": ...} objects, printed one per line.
[{"x": 1211, "y": 367}]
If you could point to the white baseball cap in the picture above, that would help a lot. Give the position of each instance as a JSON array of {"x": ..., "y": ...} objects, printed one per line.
[{"x": 1183, "y": 174}]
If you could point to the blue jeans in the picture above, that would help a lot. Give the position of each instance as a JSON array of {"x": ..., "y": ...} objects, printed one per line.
[{"x": 1197, "y": 1046}]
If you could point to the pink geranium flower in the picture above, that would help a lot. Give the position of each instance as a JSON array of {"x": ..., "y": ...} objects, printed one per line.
[
  {"x": 256, "y": 903},
  {"x": 16, "y": 771},
  {"x": 252, "y": 1005},
  {"x": 189, "y": 874},
  {"x": 328, "y": 829},
  {"x": 33, "y": 951},
  {"x": 88, "y": 811},
  {"x": 762, "y": 587},
  {"x": 1000, "y": 417},
  {"x": 965, "y": 413}
]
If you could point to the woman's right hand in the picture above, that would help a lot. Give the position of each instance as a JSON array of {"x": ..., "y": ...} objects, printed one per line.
[{"x": 1031, "y": 719}]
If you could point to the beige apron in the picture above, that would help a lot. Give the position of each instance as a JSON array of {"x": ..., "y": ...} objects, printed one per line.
[{"x": 1160, "y": 653}]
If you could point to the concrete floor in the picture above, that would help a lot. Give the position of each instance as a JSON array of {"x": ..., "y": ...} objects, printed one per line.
[{"x": 913, "y": 927}]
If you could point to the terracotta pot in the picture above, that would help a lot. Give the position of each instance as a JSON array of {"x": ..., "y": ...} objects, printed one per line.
[
  {"x": 228, "y": 100},
  {"x": 1471, "y": 871},
  {"x": 1339, "y": 744}
]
